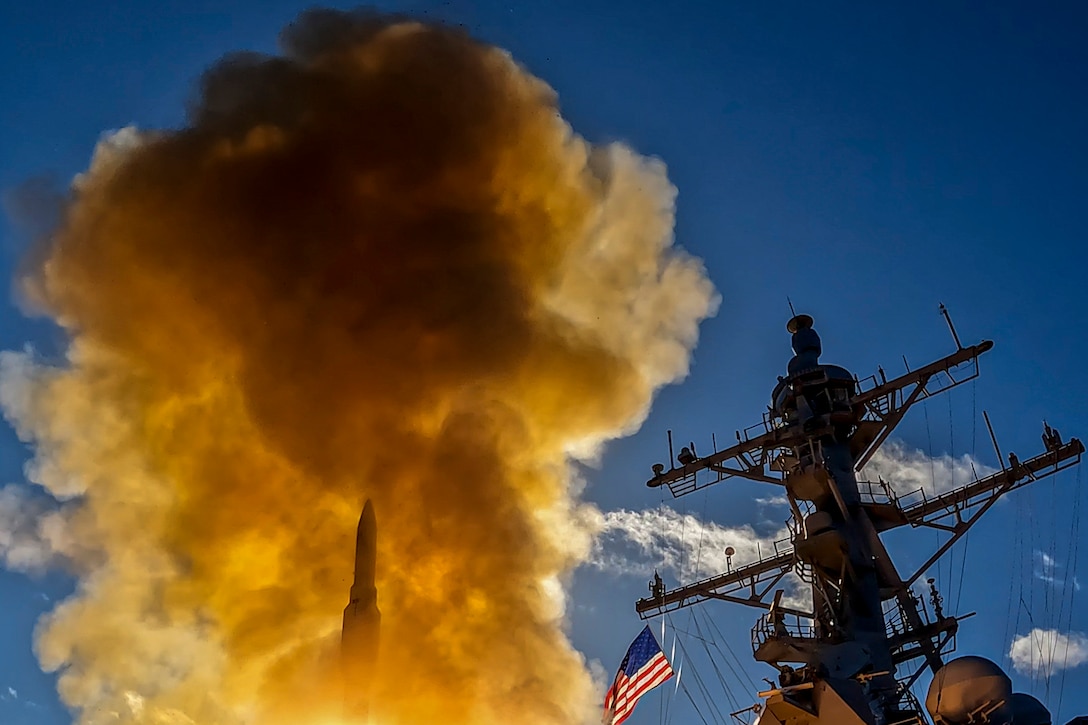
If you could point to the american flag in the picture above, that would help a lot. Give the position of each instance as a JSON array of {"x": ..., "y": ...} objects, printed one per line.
[{"x": 644, "y": 668}]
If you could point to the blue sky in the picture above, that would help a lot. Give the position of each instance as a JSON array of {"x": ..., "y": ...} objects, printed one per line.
[{"x": 867, "y": 161}]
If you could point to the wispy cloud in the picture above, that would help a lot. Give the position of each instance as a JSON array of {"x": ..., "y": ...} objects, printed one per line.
[
  {"x": 1050, "y": 570},
  {"x": 908, "y": 469},
  {"x": 1046, "y": 651},
  {"x": 664, "y": 539},
  {"x": 685, "y": 548}
]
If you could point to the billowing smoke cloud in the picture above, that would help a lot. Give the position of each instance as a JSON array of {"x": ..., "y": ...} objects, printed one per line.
[{"x": 380, "y": 265}]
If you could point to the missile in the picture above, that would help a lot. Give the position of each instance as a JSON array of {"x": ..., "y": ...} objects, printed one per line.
[{"x": 362, "y": 621}]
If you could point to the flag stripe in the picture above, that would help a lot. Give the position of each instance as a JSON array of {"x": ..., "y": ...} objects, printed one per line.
[
  {"x": 633, "y": 695},
  {"x": 625, "y": 712},
  {"x": 643, "y": 668},
  {"x": 651, "y": 684},
  {"x": 648, "y": 671},
  {"x": 635, "y": 687}
]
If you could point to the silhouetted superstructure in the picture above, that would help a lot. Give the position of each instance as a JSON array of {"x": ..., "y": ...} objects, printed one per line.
[
  {"x": 362, "y": 622},
  {"x": 855, "y": 655}
]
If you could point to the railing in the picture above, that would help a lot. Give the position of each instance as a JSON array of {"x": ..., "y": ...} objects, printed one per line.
[
  {"x": 909, "y": 708},
  {"x": 876, "y": 492},
  {"x": 777, "y": 625},
  {"x": 729, "y": 585}
]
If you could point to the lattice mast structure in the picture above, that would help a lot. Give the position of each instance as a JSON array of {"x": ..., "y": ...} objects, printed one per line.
[{"x": 842, "y": 661}]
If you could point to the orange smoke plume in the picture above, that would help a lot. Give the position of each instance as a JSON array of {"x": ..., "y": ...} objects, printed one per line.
[{"x": 378, "y": 265}]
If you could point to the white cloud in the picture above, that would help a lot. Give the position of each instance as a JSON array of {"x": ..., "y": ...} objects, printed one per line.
[
  {"x": 685, "y": 547},
  {"x": 34, "y": 532},
  {"x": 1046, "y": 651},
  {"x": 908, "y": 469},
  {"x": 637, "y": 542},
  {"x": 688, "y": 549}
]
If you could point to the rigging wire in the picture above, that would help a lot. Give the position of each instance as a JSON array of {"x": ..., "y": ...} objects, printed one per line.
[
  {"x": 683, "y": 538},
  {"x": 663, "y": 707},
  {"x": 662, "y": 710},
  {"x": 974, "y": 476},
  {"x": 680, "y": 684},
  {"x": 721, "y": 678},
  {"x": 705, "y": 634},
  {"x": 974, "y": 417},
  {"x": 932, "y": 477},
  {"x": 698, "y": 637},
  {"x": 1033, "y": 547},
  {"x": 691, "y": 699},
  {"x": 676, "y": 688},
  {"x": 704, "y": 691},
  {"x": 734, "y": 670},
  {"x": 1048, "y": 574},
  {"x": 702, "y": 536},
  {"x": 963, "y": 568},
  {"x": 662, "y": 693},
  {"x": 678, "y": 663},
  {"x": 952, "y": 485},
  {"x": 953, "y": 580},
  {"x": 1016, "y": 584},
  {"x": 1064, "y": 621},
  {"x": 750, "y": 682},
  {"x": 1071, "y": 575},
  {"x": 1015, "y": 544}
]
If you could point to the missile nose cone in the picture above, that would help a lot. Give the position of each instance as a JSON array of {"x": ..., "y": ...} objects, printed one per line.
[
  {"x": 362, "y": 622},
  {"x": 368, "y": 524},
  {"x": 366, "y": 543}
]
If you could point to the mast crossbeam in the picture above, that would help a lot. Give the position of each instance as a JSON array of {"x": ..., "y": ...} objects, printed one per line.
[
  {"x": 879, "y": 409},
  {"x": 887, "y": 513}
]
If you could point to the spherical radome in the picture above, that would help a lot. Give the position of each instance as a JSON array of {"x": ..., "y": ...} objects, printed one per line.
[{"x": 969, "y": 685}]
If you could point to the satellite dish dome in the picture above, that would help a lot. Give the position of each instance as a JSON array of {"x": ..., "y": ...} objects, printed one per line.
[
  {"x": 806, "y": 345},
  {"x": 967, "y": 687},
  {"x": 1026, "y": 710},
  {"x": 798, "y": 323}
]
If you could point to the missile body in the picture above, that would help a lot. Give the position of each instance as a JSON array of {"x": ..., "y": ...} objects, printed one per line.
[{"x": 362, "y": 621}]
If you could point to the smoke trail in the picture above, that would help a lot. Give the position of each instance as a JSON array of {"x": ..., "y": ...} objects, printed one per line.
[{"x": 379, "y": 265}]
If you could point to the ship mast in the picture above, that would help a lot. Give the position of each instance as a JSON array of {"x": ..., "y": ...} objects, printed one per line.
[{"x": 821, "y": 429}]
